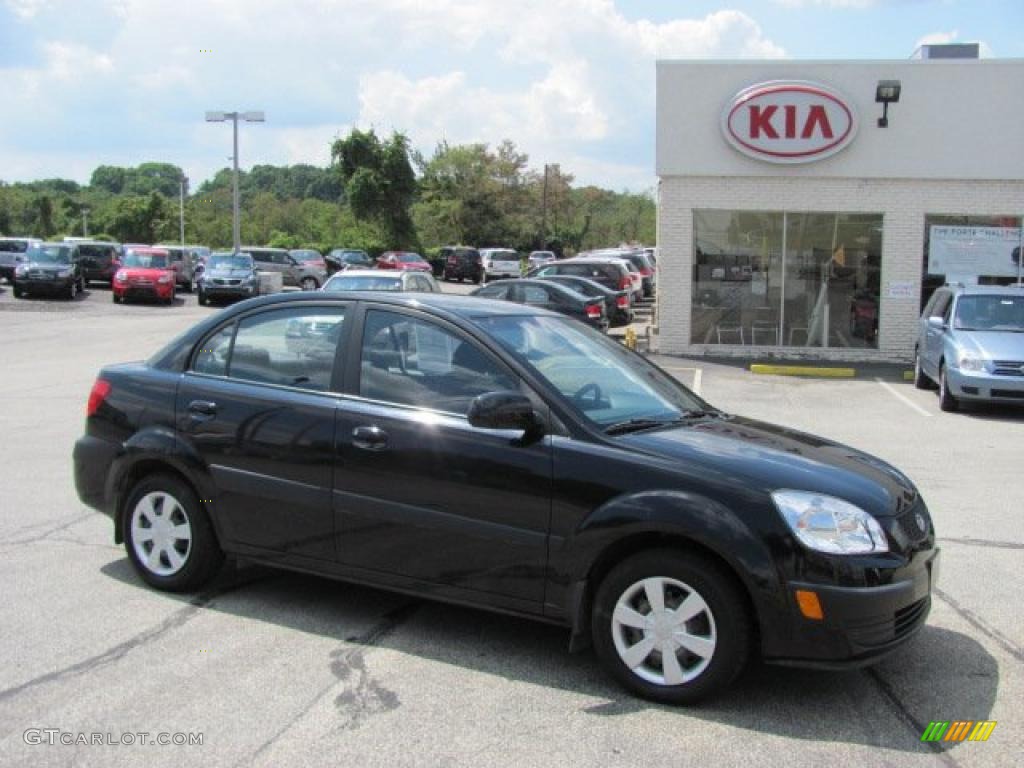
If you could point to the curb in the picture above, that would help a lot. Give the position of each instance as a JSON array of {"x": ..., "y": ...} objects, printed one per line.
[{"x": 803, "y": 370}]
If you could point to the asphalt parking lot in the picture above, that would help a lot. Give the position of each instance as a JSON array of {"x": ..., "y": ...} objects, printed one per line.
[{"x": 276, "y": 668}]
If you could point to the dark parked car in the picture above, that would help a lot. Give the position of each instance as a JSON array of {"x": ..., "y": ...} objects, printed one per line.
[
  {"x": 227, "y": 276},
  {"x": 347, "y": 258},
  {"x": 611, "y": 274},
  {"x": 506, "y": 457},
  {"x": 546, "y": 294},
  {"x": 99, "y": 260},
  {"x": 50, "y": 268},
  {"x": 12, "y": 253},
  {"x": 617, "y": 304},
  {"x": 461, "y": 263}
]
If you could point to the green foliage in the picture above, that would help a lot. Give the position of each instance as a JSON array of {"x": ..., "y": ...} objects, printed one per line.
[
  {"x": 369, "y": 198},
  {"x": 380, "y": 183}
]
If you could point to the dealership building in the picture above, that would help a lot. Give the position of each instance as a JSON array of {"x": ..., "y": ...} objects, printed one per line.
[{"x": 808, "y": 208}]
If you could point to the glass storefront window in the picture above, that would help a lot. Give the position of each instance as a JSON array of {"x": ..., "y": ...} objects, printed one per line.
[
  {"x": 970, "y": 249},
  {"x": 787, "y": 279}
]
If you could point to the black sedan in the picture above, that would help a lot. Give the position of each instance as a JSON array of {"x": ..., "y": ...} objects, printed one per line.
[
  {"x": 617, "y": 304},
  {"x": 544, "y": 294},
  {"x": 227, "y": 276},
  {"x": 506, "y": 457},
  {"x": 51, "y": 269}
]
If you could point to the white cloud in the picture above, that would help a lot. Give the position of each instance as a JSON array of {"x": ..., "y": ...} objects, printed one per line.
[
  {"x": 937, "y": 38},
  {"x": 569, "y": 81}
]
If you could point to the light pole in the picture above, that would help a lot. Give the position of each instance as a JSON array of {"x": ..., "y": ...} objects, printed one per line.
[
  {"x": 234, "y": 117},
  {"x": 85, "y": 222},
  {"x": 181, "y": 209}
]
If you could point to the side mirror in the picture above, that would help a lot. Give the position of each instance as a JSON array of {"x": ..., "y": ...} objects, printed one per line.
[
  {"x": 937, "y": 323},
  {"x": 503, "y": 410}
]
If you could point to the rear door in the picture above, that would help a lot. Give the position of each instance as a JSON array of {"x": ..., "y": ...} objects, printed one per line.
[
  {"x": 418, "y": 491},
  {"x": 933, "y": 337},
  {"x": 258, "y": 405}
]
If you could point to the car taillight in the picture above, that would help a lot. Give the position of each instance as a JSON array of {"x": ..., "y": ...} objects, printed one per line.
[
  {"x": 646, "y": 272},
  {"x": 622, "y": 302},
  {"x": 593, "y": 311},
  {"x": 625, "y": 283},
  {"x": 98, "y": 394}
]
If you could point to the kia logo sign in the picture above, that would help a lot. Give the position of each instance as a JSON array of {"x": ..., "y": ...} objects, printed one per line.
[{"x": 788, "y": 121}]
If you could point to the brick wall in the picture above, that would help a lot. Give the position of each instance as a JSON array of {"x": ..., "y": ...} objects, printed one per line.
[{"x": 903, "y": 204}]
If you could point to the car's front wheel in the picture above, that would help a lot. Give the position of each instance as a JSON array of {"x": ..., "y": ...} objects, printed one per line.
[
  {"x": 947, "y": 402},
  {"x": 168, "y": 536},
  {"x": 671, "y": 626}
]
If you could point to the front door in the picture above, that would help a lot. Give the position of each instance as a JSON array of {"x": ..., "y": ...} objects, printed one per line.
[
  {"x": 258, "y": 404},
  {"x": 418, "y": 491}
]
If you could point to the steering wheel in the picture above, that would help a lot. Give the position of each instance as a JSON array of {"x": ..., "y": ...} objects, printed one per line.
[{"x": 589, "y": 395}]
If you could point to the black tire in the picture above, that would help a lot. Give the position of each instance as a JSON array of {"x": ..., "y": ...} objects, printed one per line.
[
  {"x": 726, "y": 621},
  {"x": 115, "y": 298},
  {"x": 921, "y": 380},
  {"x": 72, "y": 291},
  {"x": 309, "y": 284},
  {"x": 202, "y": 556},
  {"x": 18, "y": 293},
  {"x": 203, "y": 300},
  {"x": 947, "y": 402}
]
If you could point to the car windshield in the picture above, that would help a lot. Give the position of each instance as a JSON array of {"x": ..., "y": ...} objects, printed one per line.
[
  {"x": 145, "y": 260},
  {"x": 355, "y": 256},
  {"x": 50, "y": 254},
  {"x": 363, "y": 283},
  {"x": 606, "y": 383},
  {"x": 409, "y": 257},
  {"x": 990, "y": 313},
  {"x": 504, "y": 255},
  {"x": 231, "y": 261}
]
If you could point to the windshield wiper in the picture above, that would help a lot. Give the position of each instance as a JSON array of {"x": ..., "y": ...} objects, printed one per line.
[{"x": 635, "y": 425}]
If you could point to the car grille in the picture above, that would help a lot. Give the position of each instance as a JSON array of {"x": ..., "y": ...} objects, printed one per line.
[
  {"x": 1008, "y": 367},
  {"x": 1015, "y": 394},
  {"x": 881, "y": 631},
  {"x": 140, "y": 281},
  {"x": 38, "y": 274},
  {"x": 226, "y": 281}
]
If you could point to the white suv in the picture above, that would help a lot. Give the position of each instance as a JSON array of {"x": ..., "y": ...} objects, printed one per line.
[{"x": 499, "y": 262}]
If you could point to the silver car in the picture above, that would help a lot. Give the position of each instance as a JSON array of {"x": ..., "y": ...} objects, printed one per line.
[
  {"x": 12, "y": 253},
  {"x": 971, "y": 344},
  {"x": 308, "y": 275},
  {"x": 381, "y": 280}
]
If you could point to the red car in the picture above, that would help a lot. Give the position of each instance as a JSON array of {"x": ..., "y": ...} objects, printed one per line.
[
  {"x": 144, "y": 273},
  {"x": 405, "y": 260}
]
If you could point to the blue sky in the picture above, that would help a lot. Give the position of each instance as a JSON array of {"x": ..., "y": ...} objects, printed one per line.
[{"x": 90, "y": 82}]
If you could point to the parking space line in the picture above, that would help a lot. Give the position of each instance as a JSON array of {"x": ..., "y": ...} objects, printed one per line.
[
  {"x": 902, "y": 398},
  {"x": 697, "y": 372}
]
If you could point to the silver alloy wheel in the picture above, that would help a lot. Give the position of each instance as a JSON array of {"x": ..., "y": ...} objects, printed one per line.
[
  {"x": 161, "y": 533},
  {"x": 308, "y": 284},
  {"x": 664, "y": 631}
]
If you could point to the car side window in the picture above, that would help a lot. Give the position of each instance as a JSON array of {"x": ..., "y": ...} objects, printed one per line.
[
  {"x": 534, "y": 294},
  {"x": 937, "y": 306},
  {"x": 496, "y": 291},
  {"x": 411, "y": 361},
  {"x": 212, "y": 357},
  {"x": 293, "y": 347}
]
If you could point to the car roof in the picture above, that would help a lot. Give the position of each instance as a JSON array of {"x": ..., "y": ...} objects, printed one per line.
[
  {"x": 985, "y": 290},
  {"x": 150, "y": 250},
  {"x": 459, "y": 306},
  {"x": 391, "y": 273}
]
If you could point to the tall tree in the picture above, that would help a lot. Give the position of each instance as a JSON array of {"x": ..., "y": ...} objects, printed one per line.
[{"x": 380, "y": 184}]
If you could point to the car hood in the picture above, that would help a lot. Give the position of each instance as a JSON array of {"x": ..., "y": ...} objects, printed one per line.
[
  {"x": 149, "y": 272},
  {"x": 243, "y": 273},
  {"x": 994, "y": 345},
  {"x": 769, "y": 457}
]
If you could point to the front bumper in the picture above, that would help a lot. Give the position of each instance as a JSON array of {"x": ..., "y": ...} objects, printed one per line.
[
  {"x": 143, "y": 290},
  {"x": 214, "y": 290},
  {"x": 56, "y": 285},
  {"x": 861, "y": 624},
  {"x": 92, "y": 458},
  {"x": 985, "y": 386}
]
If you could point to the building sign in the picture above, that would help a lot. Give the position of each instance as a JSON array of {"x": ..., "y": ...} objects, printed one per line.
[
  {"x": 788, "y": 121},
  {"x": 992, "y": 251}
]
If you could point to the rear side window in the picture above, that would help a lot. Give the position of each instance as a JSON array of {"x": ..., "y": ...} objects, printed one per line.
[
  {"x": 496, "y": 291},
  {"x": 411, "y": 361},
  {"x": 291, "y": 347},
  {"x": 941, "y": 305},
  {"x": 534, "y": 294}
]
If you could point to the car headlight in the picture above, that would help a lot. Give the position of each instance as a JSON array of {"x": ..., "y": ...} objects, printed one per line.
[
  {"x": 121, "y": 276},
  {"x": 827, "y": 524},
  {"x": 63, "y": 273},
  {"x": 164, "y": 279},
  {"x": 21, "y": 269},
  {"x": 968, "y": 363}
]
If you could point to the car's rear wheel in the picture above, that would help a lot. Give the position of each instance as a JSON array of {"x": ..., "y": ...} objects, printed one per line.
[
  {"x": 309, "y": 284},
  {"x": 168, "y": 536},
  {"x": 72, "y": 291},
  {"x": 671, "y": 626},
  {"x": 947, "y": 402},
  {"x": 921, "y": 380},
  {"x": 203, "y": 300}
]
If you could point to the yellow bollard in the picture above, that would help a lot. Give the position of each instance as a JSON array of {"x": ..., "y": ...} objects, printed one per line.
[{"x": 630, "y": 338}]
